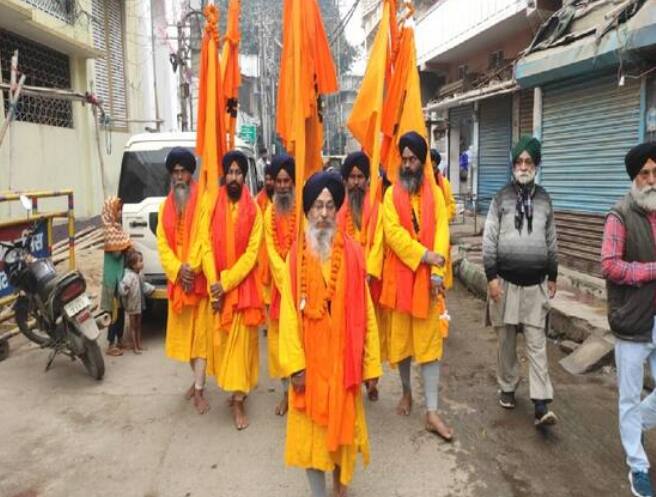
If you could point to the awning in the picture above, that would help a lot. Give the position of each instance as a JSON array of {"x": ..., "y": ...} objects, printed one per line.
[
  {"x": 586, "y": 54},
  {"x": 489, "y": 91}
]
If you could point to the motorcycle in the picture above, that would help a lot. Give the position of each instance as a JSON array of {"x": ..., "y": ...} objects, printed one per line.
[{"x": 53, "y": 310}]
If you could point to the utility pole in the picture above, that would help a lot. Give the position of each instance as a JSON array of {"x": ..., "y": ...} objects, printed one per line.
[
  {"x": 183, "y": 87},
  {"x": 158, "y": 123}
]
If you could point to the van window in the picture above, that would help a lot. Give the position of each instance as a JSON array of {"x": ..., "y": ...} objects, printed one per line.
[{"x": 143, "y": 175}]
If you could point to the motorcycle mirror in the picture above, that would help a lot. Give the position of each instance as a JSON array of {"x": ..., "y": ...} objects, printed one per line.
[{"x": 26, "y": 202}]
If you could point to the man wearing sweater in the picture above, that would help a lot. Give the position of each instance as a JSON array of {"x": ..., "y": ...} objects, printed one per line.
[{"x": 521, "y": 265}]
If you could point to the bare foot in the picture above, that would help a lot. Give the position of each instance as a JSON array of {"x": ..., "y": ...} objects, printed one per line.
[
  {"x": 281, "y": 408},
  {"x": 434, "y": 424},
  {"x": 372, "y": 393},
  {"x": 201, "y": 405},
  {"x": 190, "y": 393},
  {"x": 339, "y": 490},
  {"x": 239, "y": 414},
  {"x": 136, "y": 350},
  {"x": 405, "y": 405},
  {"x": 113, "y": 350}
]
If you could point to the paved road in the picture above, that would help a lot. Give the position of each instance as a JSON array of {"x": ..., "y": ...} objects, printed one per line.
[{"x": 133, "y": 435}]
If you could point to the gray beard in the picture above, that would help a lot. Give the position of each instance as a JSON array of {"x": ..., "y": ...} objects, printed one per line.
[
  {"x": 524, "y": 178},
  {"x": 321, "y": 240},
  {"x": 284, "y": 201},
  {"x": 181, "y": 196},
  {"x": 411, "y": 181},
  {"x": 645, "y": 198},
  {"x": 356, "y": 201}
]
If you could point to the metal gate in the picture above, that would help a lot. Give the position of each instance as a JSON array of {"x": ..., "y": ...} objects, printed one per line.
[
  {"x": 495, "y": 135},
  {"x": 588, "y": 125}
]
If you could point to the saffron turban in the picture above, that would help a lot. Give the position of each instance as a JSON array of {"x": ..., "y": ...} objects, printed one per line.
[
  {"x": 238, "y": 157},
  {"x": 528, "y": 144},
  {"x": 315, "y": 185},
  {"x": 416, "y": 143},
  {"x": 355, "y": 159},
  {"x": 638, "y": 156},
  {"x": 180, "y": 156},
  {"x": 284, "y": 162}
]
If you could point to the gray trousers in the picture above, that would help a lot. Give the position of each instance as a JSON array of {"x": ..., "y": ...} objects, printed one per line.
[{"x": 538, "y": 367}]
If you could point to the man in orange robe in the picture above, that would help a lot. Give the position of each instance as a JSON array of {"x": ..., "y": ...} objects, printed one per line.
[
  {"x": 279, "y": 233},
  {"x": 362, "y": 221},
  {"x": 235, "y": 234},
  {"x": 328, "y": 342},
  {"x": 188, "y": 325},
  {"x": 417, "y": 233}
]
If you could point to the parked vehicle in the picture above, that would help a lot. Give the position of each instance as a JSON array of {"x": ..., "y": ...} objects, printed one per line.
[
  {"x": 143, "y": 186},
  {"x": 53, "y": 310}
]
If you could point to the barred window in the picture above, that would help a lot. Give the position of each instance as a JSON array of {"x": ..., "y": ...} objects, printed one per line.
[
  {"x": 110, "y": 83},
  {"x": 42, "y": 66},
  {"x": 61, "y": 9}
]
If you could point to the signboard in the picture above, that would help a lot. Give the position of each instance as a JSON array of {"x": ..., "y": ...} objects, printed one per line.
[
  {"x": 248, "y": 133},
  {"x": 40, "y": 247}
]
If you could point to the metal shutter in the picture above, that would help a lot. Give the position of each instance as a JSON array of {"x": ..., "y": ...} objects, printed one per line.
[{"x": 495, "y": 135}]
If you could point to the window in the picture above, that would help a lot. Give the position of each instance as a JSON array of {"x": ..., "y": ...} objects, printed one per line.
[
  {"x": 63, "y": 10},
  {"x": 110, "y": 83},
  {"x": 42, "y": 66}
]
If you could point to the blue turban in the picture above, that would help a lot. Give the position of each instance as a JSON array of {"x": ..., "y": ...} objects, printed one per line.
[
  {"x": 416, "y": 143},
  {"x": 238, "y": 157},
  {"x": 315, "y": 185},
  {"x": 283, "y": 161},
  {"x": 638, "y": 156},
  {"x": 355, "y": 159},
  {"x": 180, "y": 156}
]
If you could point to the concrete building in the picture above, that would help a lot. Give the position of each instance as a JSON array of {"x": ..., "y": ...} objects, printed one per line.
[{"x": 104, "y": 47}]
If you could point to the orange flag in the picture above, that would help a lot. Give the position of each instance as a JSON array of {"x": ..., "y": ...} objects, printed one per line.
[
  {"x": 210, "y": 131},
  {"x": 402, "y": 111},
  {"x": 307, "y": 72},
  {"x": 230, "y": 73},
  {"x": 366, "y": 117}
]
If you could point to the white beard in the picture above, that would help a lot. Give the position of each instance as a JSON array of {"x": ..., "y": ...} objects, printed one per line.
[
  {"x": 645, "y": 197},
  {"x": 524, "y": 178},
  {"x": 181, "y": 196},
  {"x": 321, "y": 240}
]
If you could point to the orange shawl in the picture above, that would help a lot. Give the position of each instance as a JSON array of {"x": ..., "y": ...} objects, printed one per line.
[
  {"x": 333, "y": 340},
  {"x": 404, "y": 290},
  {"x": 176, "y": 294},
  {"x": 283, "y": 231},
  {"x": 263, "y": 269},
  {"x": 229, "y": 240}
]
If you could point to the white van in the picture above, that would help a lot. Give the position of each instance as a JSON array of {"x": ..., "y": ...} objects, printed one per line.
[{"x": 143, "y": 186}]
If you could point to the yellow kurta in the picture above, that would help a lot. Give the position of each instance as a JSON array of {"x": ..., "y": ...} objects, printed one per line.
[
  {"x": 188, "y": 334},
  {"x": 277, "y": 268},
  {"x": 305, "y": 445},
  {"x": 235, "y": 359},
  {"x": 420, "y": 339},
  {"x": 451, "y": 212}
]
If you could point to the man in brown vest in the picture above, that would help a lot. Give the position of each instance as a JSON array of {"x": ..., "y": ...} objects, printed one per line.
[{"x": 628, "y": 262}]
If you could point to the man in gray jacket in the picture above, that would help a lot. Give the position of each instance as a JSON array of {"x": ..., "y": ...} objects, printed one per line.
[{"x": 521, "y": 265}]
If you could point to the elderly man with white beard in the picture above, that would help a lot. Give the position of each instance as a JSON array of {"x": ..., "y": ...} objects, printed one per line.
[
  {"x": 628, "y": 262},
  {"x": 521, "y": 265}
]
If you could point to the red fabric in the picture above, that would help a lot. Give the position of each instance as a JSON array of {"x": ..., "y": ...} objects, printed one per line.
[
  {"x": 230, "y": 242},
  {"x": 404, "y": 290},
  {"x": 613, "y": 266},
  {"x": 176, "y": 295}
]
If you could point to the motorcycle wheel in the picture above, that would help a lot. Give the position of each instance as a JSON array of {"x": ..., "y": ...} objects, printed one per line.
[
  {"x": 24, "y": 312},
  {"x": 92, "y": 359}
]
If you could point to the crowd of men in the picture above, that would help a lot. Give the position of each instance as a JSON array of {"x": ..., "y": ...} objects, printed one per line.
[{"x": 365, "y": 284}]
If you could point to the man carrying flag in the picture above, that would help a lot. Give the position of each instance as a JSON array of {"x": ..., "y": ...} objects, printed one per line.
[
  {"x": 189, "y": 324},
  {"x": 328, "y": 342},
  {"x": 417, "y": 233},
  {"x": 235, "y": 234},
  {"x": 279, "y": 234}
]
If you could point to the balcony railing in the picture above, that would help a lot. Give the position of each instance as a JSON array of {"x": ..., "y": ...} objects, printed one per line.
[
  {"x": 451, "y": 22},
  {"x": 64, "y": 10}
]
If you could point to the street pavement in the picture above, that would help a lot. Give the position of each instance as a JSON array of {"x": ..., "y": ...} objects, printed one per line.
[{"x": 133, "y": 434}]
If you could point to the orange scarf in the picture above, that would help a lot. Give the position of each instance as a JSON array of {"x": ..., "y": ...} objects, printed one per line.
[
  {"x": 404, "y": 290},
  {"x": 367, "y": 227},
  {"x": 283, "y": 231},
  {"x": 170, "y": 220},
  {"x": 229, "y": 240},
  {"x": 263, "y": 269},
  {"x": 333, "y": 340}
]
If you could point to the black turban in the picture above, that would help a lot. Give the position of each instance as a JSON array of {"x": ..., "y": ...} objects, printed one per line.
[
  {"x": 638, "y": 156},
  {"x": 238, "y": 157},
  {"x": 416, "y": 143},
  {"x": 435, "y": 156},
  {"x": 315, "y": 185},
  {"x": 180, "y": 156},
  {"x": 283, "y": 161},
  {"x": 355, "y": 159},
  {"x": 528, "y": 144}
]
